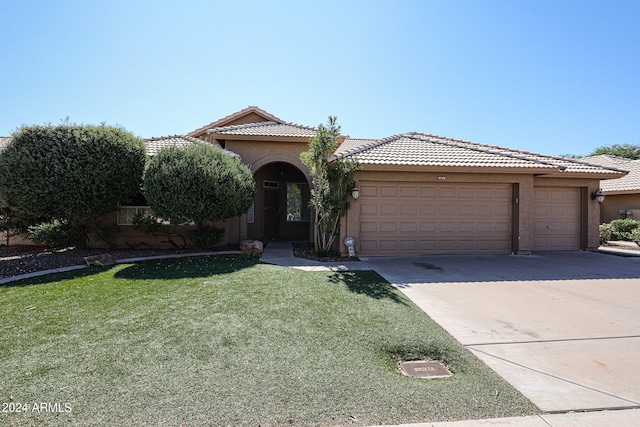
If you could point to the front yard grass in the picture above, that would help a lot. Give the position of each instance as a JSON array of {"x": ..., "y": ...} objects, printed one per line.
[{"x": 229, "y": 341}]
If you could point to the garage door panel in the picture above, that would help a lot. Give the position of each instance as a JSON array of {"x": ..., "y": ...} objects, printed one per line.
[
  {"x": 427, "y": 227},
  {"x": 408, "y": 192},
  {"x": 368, "y": 210},
  {"x": 388, "y": 191},
  {"x": 368, "y": 190},
  {"x": 388, "y": 227},
  {"x": 427, "y": 192},
  {"x": 408, "y": 227},
  {"x": 435, "y": 218},
  {"x": 408, "y": 210},
  {"x": 369, "y": 227},
  {"x": 466, "y": 193},
  {"x": 485, "y": 211},
  {"x": 388, "y": 210},
  {"x": 447, "y": 210},
  {"x": 428, "y": 210},
  {"x": 556, "y": 219},
  {"x": 466, "y": 211},
  {"x": 447, "y": 192},
  {"x": 388, "y": 246}
]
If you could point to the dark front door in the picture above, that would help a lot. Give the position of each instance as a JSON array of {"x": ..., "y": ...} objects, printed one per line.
[{"x": 271, "y": 213}]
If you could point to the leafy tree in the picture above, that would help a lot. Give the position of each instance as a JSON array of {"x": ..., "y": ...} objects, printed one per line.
[
  {"x": 628, "y": 151},
  {"x": 197, "y": 184},
  {"x": 332, "y": 179},
  {"x": 71, "y": 173}
]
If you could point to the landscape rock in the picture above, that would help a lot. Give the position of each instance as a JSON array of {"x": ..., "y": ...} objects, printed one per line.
[
  {"x": 252, "y": 246},
  {"x": 99, "y": 260}
]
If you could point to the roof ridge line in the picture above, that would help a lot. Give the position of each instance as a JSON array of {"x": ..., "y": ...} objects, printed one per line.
[
  {"x": 476, "y": 146},
  {"x": 249, "y": 109},
  {"x": 300, "y": 125},
  {"x": 375, "y": 143},
  {"x": 245, "y": 125},
  {"x": 157, "y": 138}
]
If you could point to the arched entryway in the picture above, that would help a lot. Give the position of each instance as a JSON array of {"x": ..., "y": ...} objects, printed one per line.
[{"x": 281, "y": 207}]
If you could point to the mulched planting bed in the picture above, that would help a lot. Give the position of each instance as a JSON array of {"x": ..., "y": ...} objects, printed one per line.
[
  {"x": 17, "y": 260},
  {"x": 306, "y": 250}
]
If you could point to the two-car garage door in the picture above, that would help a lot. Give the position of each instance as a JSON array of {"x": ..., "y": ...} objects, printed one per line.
[
  {"x": 435, "y": 218},
  {"x": 408, "y": 218}
]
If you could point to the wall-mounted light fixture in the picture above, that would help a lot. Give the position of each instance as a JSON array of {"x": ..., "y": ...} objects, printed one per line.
[
  {"x": 355, "y": 193},
  {"x": 598, "y": 196}
]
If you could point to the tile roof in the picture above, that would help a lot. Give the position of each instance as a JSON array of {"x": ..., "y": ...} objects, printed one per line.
[
  {"x": 353, "y": 143},
  {"x": 231, "y": 117},
  {"x": 155, "y": 144},
  {"x": 270, "y": 128},
  {"x": 431, "y": 150},
  {"x": 626, "y": 184}
]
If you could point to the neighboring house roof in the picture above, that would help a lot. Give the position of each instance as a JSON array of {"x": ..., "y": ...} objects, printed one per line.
[
  {"x": 252, "y": 109},
  {"x": 629, "y": 184},
  {"x": 4, "y": 141},
  {"x": 269, "y": 128},
  {"x": 421, "y": 149},
  {"x": 155, "y": 144}
]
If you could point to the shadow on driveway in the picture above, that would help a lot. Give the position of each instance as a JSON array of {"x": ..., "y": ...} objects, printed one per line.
[{"x": 497, "y": 268}]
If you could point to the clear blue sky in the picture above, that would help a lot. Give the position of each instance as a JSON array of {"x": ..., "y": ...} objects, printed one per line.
[{"x": 547, "y": 76}]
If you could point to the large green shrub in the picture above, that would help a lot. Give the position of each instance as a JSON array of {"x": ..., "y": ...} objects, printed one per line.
[
  {"x": 624, "y": 229},
  {"x": 197, "y": 184},
  {"x": 55, "y": 234},
  {"x": 70, "y": 173},
  {"x": 605, "y": 233}
]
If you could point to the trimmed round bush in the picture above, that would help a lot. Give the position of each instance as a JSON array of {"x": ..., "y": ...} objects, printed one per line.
[
  {"x": 69, "y": 172},
  {"x": 197, "y": 184}
]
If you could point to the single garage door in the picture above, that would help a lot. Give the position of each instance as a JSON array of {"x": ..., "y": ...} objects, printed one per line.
[
  {"x": 434, "y": 218},
  {"x": 556, "y": 219}
]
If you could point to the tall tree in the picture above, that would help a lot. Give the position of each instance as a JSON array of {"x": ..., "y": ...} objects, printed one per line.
[
  {"x": 628, "y": 151},
  {"x": 332, "y": 179}
]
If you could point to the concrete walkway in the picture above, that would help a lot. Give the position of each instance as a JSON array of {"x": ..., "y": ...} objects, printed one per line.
[{"x": 281, "y": 253}]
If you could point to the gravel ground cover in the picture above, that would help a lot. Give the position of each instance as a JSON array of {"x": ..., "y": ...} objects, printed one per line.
[{"x": 17, "y": 260}]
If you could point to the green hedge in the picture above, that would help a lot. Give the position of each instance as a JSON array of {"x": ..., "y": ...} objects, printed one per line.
[{"x": 71, "y": 173}]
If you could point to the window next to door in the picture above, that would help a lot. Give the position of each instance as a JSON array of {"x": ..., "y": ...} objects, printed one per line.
[{"x": 297, "y": 202}]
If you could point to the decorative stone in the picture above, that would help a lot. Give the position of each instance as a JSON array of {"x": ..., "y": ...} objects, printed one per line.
[
  {"x": 99, "y": 260},
  {"x": 252, "y": 246}
]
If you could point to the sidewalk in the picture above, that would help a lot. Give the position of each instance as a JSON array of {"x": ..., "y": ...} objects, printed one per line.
[
  {"x": 281, "y": 253},
  {"x": 622, "y": 418},
  {"x": 620, "y": 248}
]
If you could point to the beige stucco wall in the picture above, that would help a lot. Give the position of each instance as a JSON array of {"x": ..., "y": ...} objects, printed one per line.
[
  {"x": 613, "y": 204},
  {"x": 257, "y": 154}
]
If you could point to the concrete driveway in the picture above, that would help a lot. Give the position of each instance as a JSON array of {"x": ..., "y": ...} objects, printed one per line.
[{"x": 563, "y": 328}]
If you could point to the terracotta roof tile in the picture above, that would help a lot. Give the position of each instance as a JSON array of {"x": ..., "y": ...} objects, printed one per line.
[
  {"x": 231, "y": 117},
  {"x": 155, "y": 144},
  {"x": 267, "y": 129},
  {"x": 431, "y": 150},
  {"x": 352, "y": 144},
  {"x": 626, "y": 184}
]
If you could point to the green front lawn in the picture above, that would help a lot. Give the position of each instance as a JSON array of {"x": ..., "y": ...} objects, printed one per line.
[{"x": 229, "y": 341}]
